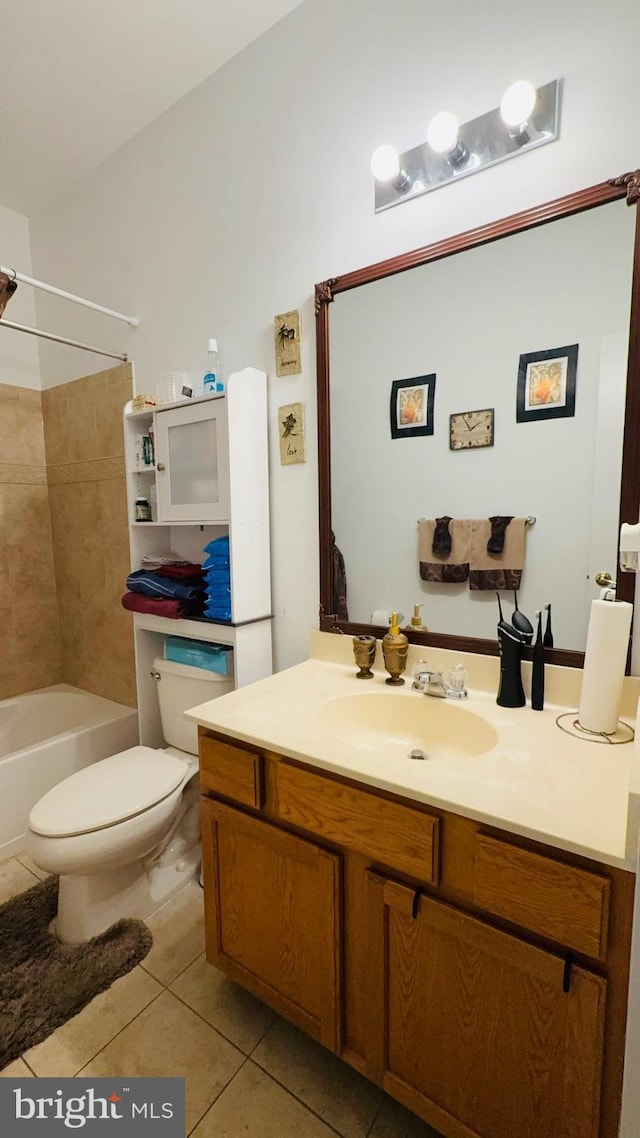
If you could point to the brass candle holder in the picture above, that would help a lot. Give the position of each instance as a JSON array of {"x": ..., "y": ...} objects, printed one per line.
[{"x": 364, "y": 651}]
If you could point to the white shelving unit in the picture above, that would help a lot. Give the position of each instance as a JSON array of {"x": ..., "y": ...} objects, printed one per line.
[{"x": 211, "y": 477}]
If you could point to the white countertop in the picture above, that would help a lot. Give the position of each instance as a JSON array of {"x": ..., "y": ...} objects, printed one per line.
[{"x": 536, "y": 780}]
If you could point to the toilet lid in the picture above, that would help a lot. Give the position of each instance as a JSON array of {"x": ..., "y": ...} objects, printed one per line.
[{"x": 107, "y": 792}]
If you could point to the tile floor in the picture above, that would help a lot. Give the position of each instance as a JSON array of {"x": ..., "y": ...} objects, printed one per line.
[{"x": 249, "y": 1074}]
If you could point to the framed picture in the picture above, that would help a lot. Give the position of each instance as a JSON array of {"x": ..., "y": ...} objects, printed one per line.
[
  {"x": 547, "y": 384},
  {"x": 412, "y": 406}
]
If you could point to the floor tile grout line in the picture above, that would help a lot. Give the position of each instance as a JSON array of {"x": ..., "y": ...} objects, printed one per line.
[
  {"x": 219, "y": 1095},
  {"x": 247, "y": 1054},
  {"x": 293, "y": 1094},
  {"x": 16, "y": 857},
  {"x": 178, "y": 974},
  {"x": 119, "y": 1032},
  {"x": 286, "y": 1089},
  {"x": 247, "y": 1057},
  {"x": 376, "y": 1117}
]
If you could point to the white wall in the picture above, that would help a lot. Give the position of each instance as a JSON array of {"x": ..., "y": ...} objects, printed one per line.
[
  {"x": 230, "y": 207},
  {"x": 19, "y": 361}
]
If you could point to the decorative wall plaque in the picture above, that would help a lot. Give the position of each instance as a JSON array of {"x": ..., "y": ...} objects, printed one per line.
[
  {"x": 286, "y": 330},
  {"x": 291, "y": 432}
]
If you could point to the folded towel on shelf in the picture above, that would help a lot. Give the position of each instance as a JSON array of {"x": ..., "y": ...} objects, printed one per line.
[
  {"x": 216, "y": 563},
  {"x": 174, "y": 609},
  {"x": 501, "y": 570},
  {"x": 168, "y": 557},
  {"x": 217, "y": 544},
  {"x": 188, "y": 572},
  {"x": 444, "y": 533},
  {"x": 220, "y": 615},
  {"x": 152, "y": 585},
  {"x": 217, "y": 577}
]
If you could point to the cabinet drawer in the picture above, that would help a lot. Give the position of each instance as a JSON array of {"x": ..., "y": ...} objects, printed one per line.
[
  {"x": 231, "y": 771},
  {"x": 388, "y": 832},
  {"x": 564, "y": 902}
]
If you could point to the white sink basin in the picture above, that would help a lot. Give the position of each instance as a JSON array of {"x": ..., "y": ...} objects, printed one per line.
[{"x": 395, "y": 725}]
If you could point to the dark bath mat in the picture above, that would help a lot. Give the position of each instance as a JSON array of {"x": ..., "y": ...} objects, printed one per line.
[{"x": 44, "y": 983}]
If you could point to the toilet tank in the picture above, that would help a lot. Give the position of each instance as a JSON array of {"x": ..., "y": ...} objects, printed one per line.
[{"x": 180, "y": 687}]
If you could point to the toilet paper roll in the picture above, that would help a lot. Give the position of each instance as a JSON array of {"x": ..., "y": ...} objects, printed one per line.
[
  {"x": 604, "y": 665},
  {"x": 383, "y": 616}
]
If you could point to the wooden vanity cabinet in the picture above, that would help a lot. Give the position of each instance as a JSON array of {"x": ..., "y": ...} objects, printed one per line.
[
  {"x": 479, "y": 978},
  {"x": 478, "y": 1031},
  {"x": 272, "y": 916}
]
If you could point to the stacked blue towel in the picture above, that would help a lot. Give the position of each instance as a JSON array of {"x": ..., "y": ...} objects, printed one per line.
[{"x": 217, "y": 575}]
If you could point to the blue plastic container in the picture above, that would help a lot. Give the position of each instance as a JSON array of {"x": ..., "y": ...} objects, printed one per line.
[{"x": 199, "y": 654}]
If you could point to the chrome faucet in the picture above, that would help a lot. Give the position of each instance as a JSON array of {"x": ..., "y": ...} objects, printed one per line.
[{"x": 434, "y": 683}]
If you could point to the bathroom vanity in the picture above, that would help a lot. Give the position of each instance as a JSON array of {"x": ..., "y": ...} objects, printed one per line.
[{"x": 457, "y": 928}]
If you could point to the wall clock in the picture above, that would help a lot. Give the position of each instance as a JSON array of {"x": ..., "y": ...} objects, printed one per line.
[{"x": 471, "y": 429}]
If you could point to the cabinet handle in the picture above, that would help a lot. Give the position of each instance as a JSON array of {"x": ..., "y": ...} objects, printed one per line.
[
  {"x": 416, "y": 901},
  {"x": 160, "y": 466},
  {"x": 566, "y": 976}
]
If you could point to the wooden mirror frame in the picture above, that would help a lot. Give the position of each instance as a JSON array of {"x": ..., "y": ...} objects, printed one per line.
[{"x": 627, "y": 185}]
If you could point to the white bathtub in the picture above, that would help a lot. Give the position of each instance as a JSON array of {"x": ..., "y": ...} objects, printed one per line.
[{"x": 47, "y": 735}]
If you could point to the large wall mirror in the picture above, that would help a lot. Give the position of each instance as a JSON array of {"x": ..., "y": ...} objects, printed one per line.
[{"x": 564, "y": 275}]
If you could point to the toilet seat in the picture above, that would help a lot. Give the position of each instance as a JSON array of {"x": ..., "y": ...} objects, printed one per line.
[{"x": 107, "y": 792}]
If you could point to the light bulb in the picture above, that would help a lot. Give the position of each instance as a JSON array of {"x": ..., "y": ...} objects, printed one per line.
[
  {"x": 518, "y": 102},
  {"x": 385, "y": 163},
  {"x": 442, "y": 132}
]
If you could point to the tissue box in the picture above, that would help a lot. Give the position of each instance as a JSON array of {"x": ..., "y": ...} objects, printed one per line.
[{"x": 199, "y": 654}]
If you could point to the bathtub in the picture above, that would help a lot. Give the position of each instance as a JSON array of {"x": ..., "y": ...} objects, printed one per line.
[{"x": 47, "y": 735}]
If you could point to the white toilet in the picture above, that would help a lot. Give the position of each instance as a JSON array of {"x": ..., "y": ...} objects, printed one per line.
[{"x": 124, "y": 833}]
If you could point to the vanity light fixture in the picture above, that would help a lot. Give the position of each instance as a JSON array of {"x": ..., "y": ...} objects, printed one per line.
[
  {"x": 526, "y": 118},
  {"x": 385, "y": 167},
  {"x": 516, "y": 107},
  {"x": 443, "y": 136}
]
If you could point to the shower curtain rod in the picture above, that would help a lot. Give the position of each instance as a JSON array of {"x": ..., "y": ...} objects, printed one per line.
[
  {"x": 132, "y": 320},
  {"x": 63, "y": 340}
]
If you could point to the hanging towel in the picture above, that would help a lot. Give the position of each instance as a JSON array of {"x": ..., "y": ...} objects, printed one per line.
[
  {"x": 497, "y": 570},
  {"x": 7, "y": 288},
  {"x": 452, "y": 568},
  {"x": 338, "y": 583},
  {"x": 496, "y": 540},
  {"x": 441, "y": 546}
]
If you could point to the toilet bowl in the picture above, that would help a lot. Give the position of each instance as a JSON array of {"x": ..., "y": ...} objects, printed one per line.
[{"x": 123, "y": 834}]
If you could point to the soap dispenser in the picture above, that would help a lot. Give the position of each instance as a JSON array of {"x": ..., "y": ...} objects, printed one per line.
[
  {"x": 510, "y": 641},
  {"x": 394, "y": 649},
  {"x": 416, "y": 620}
]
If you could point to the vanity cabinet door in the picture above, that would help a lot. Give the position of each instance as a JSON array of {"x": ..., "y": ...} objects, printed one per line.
[
  {"x": 474, "y": 1029},
  {"x": 272, "y": 916}
]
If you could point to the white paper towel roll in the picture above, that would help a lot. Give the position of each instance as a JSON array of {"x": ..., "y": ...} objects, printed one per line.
[{"x": 604, "y": 665}]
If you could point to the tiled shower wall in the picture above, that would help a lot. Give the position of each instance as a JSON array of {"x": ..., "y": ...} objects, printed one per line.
[
  {"x": 85, "y": 465},
  {"x": 30, "y": 655}
]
